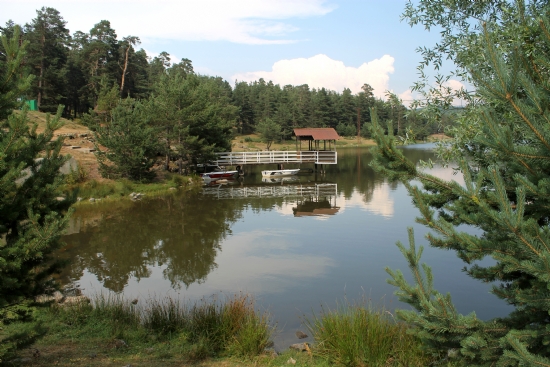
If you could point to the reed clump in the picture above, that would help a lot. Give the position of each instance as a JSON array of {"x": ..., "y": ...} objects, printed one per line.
[
  {"x": 359, "y": 335},
  {"x": 195, "y": 331}
]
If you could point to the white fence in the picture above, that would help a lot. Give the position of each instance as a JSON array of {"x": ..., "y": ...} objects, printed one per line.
[
  {"x": 318, "y": 157},
  {"x": 311, "y": 190}
]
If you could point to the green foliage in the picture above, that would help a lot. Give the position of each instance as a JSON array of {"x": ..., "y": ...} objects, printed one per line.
[
  {"x": 502, "y": 153},
  {"x": 353, "y": 335},
  {"x": 198, "y": 330},
  {"x": 131, "y": 143},
  {"x": 32, "y": 219},
  {"x": 11, "y": 85},
  {"x": 194, "y": 116},
  {"x": 270, "y": 131}
]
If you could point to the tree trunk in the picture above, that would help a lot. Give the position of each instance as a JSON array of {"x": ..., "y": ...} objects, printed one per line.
[
  {"x": 124, "y": 70},
  {"x": 40, "y": 84}
]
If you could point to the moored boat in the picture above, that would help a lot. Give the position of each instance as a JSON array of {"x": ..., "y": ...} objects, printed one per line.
[
  {"x": 280, "y": 172},
  {"x": 214, "y": 172}
]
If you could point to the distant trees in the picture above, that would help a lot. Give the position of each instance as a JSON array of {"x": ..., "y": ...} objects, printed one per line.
[
  {"x": 269, "y": 131},
  {"x": 190, "y": 115}
]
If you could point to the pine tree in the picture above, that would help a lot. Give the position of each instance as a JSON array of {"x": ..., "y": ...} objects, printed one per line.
[
  {"x": 131, "y": 142},
  {"x": 32, "y": 218},
  {"x": 503, "y": 151}
]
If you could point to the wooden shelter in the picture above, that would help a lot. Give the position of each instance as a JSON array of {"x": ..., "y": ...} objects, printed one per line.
[{"x": 314, "y": 137}]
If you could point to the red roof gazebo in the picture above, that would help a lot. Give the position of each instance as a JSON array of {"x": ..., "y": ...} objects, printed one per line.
[{"x": 314, "y": 135}]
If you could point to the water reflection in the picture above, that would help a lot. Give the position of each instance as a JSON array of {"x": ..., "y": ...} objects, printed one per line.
[
  {"x": 294, "y": 244},
  {"x": 119, "y": 243}
]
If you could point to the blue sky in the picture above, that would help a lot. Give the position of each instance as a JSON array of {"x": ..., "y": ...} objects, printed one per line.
[{"x": 330, "y": 43}]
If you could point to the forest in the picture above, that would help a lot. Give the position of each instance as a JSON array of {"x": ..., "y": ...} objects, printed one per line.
[{"x": 90, "y": 72}]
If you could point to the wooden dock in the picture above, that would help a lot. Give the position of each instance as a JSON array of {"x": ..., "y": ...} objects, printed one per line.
[{"x": 279, "y": 157}]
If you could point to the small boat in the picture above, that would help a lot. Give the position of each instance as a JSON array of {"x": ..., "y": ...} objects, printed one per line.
[
  {"x": 280, "y": 172},
  {"x": 213, "y": 172}
]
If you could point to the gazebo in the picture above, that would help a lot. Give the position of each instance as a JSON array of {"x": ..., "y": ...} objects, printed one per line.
[{"x": 314, "y": 136}]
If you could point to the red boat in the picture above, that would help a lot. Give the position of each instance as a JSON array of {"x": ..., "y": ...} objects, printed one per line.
[{"x": 212, "y": 172}]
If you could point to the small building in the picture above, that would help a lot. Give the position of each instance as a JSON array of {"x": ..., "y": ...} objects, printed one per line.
[{"x": 314, "y": 136}]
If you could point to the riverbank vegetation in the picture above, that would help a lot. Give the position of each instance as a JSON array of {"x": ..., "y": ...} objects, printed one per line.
[{"x": 112, "y": 331}]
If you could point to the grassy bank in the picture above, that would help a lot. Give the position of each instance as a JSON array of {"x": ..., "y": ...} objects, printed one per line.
[
  {"x": 110, "y": 190},
  {"x": 112, "y": 331}
]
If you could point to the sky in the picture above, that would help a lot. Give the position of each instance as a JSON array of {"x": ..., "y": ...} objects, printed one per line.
[{"x": 334, "y": 44}]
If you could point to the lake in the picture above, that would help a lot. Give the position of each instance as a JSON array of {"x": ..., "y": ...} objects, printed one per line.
[{"x": 295, "y": 245}]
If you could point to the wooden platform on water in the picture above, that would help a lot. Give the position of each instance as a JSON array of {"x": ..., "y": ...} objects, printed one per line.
[{"x": 264, "y": 157}]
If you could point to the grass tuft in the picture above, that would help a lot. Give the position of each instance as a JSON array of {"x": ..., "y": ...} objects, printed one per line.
[{"x": 355, "y": 335}]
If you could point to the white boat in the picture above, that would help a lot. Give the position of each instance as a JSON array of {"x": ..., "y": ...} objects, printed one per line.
[{"x": 280, "y": 172}]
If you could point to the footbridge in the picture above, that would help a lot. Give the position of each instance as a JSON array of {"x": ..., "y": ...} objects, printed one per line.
[
  {"x": 279, "y": 157},
  {"x": 281, "y": 191}
]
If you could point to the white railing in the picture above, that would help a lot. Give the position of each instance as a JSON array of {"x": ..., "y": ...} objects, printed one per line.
[
  {"x": 311, "y": 190},
  {"x": 235, "y": 158}
]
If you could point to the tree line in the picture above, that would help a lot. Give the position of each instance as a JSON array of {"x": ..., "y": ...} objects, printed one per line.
[{"x": 76, "y": 70}]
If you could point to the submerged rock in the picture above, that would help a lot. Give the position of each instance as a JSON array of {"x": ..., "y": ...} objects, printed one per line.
[{"x": 301, "y": 335}]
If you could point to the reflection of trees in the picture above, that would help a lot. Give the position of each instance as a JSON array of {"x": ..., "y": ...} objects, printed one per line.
[
  {"x": 180, "y": 233},
  {"x": 353, "y": 172}
]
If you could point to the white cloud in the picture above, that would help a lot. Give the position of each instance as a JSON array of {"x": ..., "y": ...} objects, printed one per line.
[
  {"x": 407, "y": 97},
  {"x": 455, "y": 86},
  {"x": 322, "y": 71},
  {"x": 240, "y": 21}
]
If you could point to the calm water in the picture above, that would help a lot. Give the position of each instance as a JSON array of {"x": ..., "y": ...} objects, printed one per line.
[{"x": 295, "y": 245}]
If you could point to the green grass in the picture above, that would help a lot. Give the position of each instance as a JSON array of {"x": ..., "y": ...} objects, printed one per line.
[
  {"x": 123, "y": 187},
  {"x": 227, "y": 331},
  {"x": 354, "y": 335},
  {"x": 155, "y": 329}
]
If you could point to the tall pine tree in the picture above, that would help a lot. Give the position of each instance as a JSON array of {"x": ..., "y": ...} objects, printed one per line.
[
  {"x": 503, "y": 151},
  {"x": 32, "y": 218}
]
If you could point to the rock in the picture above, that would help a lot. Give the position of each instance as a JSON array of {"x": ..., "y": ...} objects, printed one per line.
[
  {"x": 75, "y": 300},
  {"x": 172, "y": 189},
  {"x": 302, "y": 347},
  {"x": 301, "y": 335},
  {"x": 92, "y": 200},
  {"x": 136, "y": 195},
  {"x": 291, "y": 361},
  {"x": 78, "y": 199},
  {"x": 60, "y": 198},
  {"x": 70, "y": 166}
]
